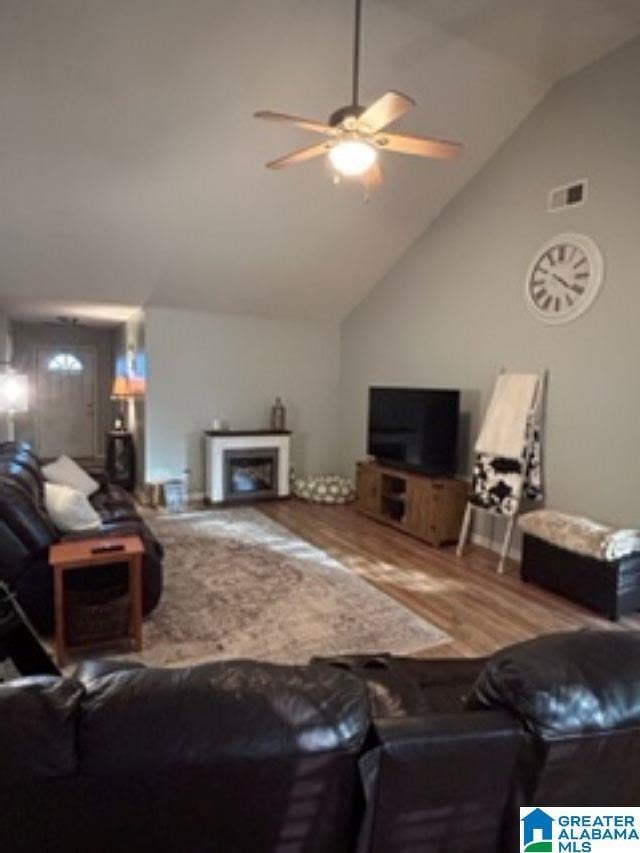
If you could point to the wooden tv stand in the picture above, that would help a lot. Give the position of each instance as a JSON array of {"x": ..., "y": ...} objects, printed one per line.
[{"x": 430, "y": 508}]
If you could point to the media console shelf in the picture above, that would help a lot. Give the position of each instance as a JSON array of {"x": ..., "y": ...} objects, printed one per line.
[{"x": 430, "y": 508}]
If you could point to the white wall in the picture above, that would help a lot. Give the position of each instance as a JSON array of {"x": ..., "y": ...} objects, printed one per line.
[
  {"x": 451, "y": 312},
  {"x": 232, "y": 367}
]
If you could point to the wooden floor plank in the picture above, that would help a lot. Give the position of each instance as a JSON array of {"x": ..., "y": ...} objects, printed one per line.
[{"x": 481, "y": 610}]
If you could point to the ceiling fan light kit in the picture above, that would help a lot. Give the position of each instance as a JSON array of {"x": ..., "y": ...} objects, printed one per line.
[
  {"x": 355, "y": 135},
  {"x": 352, "y": 157}
]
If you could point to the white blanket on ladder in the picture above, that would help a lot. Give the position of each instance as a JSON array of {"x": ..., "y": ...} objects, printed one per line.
[{"x": 505, "y": 425}]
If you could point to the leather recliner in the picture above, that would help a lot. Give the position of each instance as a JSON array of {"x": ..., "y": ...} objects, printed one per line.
[{"x": 26, "y": 533}]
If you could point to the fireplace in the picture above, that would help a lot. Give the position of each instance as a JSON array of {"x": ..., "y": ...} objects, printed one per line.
[
  {"x": 250, "y": 473},
  {"x": 245, "y": 465}
]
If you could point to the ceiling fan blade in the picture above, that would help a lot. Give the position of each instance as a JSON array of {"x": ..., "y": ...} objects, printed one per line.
[
  {"x": 306, "y": 123},
  {"x": 299, "y": 156},
  {"x": 385, "y": 110},
  {"x": 422, "y": 146},
  {"x": 372, "y": 178}
]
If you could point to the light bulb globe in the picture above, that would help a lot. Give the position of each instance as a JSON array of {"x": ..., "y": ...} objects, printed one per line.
[{"x": 352, "y": 157}]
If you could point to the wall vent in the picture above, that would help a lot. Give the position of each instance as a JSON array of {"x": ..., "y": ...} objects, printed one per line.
[{"x": 569, "y": 195}]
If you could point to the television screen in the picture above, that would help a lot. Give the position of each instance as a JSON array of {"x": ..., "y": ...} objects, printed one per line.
[{"x": 414, "y": 428}]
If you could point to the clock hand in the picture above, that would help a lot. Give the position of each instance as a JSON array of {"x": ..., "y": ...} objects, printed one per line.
[{"x": 561, "y": 280}]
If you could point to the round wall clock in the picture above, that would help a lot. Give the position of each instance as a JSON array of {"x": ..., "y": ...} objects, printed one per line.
[{"x": 564, "y": 278}]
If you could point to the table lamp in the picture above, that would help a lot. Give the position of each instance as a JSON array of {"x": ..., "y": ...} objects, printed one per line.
[
  {"x": 120, "y": 391},
  {"x": 127, "y": 387}
]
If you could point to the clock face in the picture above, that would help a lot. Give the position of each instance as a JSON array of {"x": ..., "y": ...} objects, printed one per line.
[{"x": 564, "y": 278}]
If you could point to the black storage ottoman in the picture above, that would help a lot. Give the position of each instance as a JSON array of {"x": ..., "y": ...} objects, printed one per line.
[{"x": 610, "y": 587}]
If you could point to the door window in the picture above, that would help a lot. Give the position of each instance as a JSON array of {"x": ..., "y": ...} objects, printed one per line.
[{"x": 65, "y": 362}]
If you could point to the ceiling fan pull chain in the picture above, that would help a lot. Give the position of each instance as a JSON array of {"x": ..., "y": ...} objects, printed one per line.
[{"x": 356, "y": 54}]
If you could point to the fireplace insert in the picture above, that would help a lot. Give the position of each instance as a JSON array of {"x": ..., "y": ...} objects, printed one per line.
[{"x": 250, "y": 474}]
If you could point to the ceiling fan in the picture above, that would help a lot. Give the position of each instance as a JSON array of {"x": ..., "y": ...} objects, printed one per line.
[{"x": 356, "y": 134}]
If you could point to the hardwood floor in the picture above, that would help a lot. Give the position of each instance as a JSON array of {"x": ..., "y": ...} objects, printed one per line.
[{"x": 481, "y": 610}]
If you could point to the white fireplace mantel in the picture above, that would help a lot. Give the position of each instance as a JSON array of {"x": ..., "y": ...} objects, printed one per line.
[{"x": 217, "y": 442}]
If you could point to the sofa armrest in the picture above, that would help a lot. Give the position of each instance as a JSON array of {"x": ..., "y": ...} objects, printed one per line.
[
  {"x": 89, "y": 670},
  {"x": 117, "y": 529}
]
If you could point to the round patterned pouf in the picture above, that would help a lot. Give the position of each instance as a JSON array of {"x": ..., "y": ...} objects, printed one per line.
[{"x": 324, "y": 489}]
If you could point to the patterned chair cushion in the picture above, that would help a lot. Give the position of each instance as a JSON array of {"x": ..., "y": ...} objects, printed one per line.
[{"x": 323, "y": 489}]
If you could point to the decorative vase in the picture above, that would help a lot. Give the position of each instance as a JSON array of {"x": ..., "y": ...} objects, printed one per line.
[{"x": 278, "y": 416}]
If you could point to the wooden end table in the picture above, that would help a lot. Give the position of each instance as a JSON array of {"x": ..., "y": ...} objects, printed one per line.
[{"x": 82, "y": 554}]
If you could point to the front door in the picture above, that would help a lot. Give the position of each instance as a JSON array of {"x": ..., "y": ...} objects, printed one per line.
[{"x": 65, "y": 401}]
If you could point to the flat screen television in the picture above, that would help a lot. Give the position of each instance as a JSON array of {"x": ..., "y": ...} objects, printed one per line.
[{"x": 415, "y": 428}]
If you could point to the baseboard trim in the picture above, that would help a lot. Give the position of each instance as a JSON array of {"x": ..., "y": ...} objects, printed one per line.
[
  {"x": 246, "y": 502},
  {"x": 492, "y": 545}
]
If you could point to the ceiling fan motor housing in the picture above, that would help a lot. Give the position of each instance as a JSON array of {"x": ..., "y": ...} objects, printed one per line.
[{"x": 338, "y": 116}]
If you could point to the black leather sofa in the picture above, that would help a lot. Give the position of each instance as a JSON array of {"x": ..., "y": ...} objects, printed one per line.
[
  {"x": 374, "y": 755},
  {"x": 26, "y": 532}
]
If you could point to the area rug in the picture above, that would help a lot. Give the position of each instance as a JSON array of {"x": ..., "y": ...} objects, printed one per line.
[{"x": 237, "y": 584}]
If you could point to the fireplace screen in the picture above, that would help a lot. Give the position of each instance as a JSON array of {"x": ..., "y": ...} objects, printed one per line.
[{"x": 250, "y": 473}]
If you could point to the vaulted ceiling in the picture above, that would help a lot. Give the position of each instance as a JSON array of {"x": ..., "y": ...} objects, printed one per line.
[{"x": 132, "y": 171}]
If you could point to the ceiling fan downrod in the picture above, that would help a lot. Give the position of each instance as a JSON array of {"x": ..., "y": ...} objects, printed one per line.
[
  {"x": 354, "y": 109},
  {"x": 355, "y": 100}
]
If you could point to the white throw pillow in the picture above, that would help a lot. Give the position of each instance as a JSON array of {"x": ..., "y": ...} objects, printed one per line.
[
  {"x": 65, "y": 472},
  {"x": 69, "y": 509}
]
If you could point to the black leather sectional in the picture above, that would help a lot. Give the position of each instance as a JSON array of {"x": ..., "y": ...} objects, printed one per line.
[
  {"x": 26, "y": 532},
  {"x": 374, "y": 755}
]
